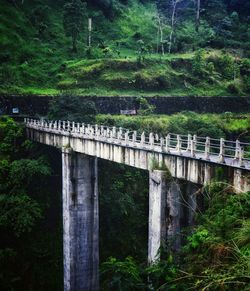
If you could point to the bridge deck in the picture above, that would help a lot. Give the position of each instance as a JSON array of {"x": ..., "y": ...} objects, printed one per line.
[{"x": 219, "y": 151}]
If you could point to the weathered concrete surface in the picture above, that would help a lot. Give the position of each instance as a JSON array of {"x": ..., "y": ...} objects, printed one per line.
[
  {"x": 157, "y": 214},
  {"x": 167, "y": 209},
  {"x": 173, "y": 215},
  {"x": 181, "y": 165},
  {"x": 80, "y": 222}
]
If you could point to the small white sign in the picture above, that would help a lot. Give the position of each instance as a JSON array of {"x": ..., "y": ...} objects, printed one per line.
[
  {"x": 128, "y": 112},
  {"x": 15, "y": 110}
]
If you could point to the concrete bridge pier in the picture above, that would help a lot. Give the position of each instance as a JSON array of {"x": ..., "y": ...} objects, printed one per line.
[
  {"x": 173, "y": 215},
  {"x": 166, "y": 206},
  {"x": 164, "y": 214},
  {"x": 80, "y": 221},
  {"x": 157, "y": 214}
]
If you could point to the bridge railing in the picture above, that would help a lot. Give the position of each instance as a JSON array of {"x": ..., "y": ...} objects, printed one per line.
[{"x": 193, "y": 145}]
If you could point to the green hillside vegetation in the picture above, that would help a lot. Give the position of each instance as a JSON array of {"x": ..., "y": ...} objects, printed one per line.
[
  {"x": 228, "y": 125},
  {"x": 126, "y": 54}
]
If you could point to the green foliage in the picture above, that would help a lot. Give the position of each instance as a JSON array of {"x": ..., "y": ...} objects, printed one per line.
[
  {"x": 18, "y": 214},
  {"x": 220, "y": 244},
  {"x": 234, "y": 87},
  {"x": 213, "y": 125},
  {"x": 34, "y": 47},
  {"x": 10, "y": 136},
  {"x": 27, "y": 235},
  {"x": 192, "y": 123},
  {"x": 24, "y": 172},
  {"x": 188, "y": 38},
  {"x": 199, "y": 62},
  {"x": 73, "y": 15},
  {"x": 144, "y": 107},
  {"x": 200, "y": 236},
  {"x": 121, "y": 275},
  {"x": 123, "y": 212}
]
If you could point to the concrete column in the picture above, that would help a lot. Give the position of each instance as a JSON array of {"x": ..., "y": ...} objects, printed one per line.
[
  {"x": 164, "y": 214},
  {"x": 157, "y": 215},
  {"x": 80, "y": 222},
  {"x": 173, "y": 215}
]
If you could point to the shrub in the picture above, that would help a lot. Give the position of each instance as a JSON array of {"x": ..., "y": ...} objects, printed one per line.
[
  {"x": 199, "y": 62},
  {"x": 144, "y": 107},
  {"x": 234, "y": 88}
]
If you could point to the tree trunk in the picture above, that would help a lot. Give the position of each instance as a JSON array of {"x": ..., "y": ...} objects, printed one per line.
[
  {"x": 161, "y": 38},
  {"x": 158, "y": 33},
  {"x": 174, "y": 3},
  {"x": 198, "y": 15}
]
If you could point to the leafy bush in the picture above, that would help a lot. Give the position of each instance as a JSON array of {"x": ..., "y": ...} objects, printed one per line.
[
  {"x": 234, "y": 88},
  {"x": 144, "y": 107},
  {"x": 121, "y": 275},
  {"x": 199, "y": 62}
]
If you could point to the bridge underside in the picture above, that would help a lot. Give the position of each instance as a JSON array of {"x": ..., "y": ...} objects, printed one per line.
[
  {"x": 193, "y": 169},
  {"x": 166, "y": 197}
]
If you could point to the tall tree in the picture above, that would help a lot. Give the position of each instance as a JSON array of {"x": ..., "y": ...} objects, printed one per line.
[
  {"x": 198, "y": 8},
  {"x": 73, "y": 15},
  {"x": 174, "y": 4}
]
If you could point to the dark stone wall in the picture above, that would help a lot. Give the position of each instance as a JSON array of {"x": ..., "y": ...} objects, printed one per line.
[{"x": 38, "y": 105}]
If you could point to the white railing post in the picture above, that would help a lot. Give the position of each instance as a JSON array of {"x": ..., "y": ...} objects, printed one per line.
[
  {"x": 73, "y": 126},
  {"x": 91, "y": 130},
  {"x": 189, "y": 142},
  {"x": 68, "y": 125},
  {"x": 241, "y": 157},
  {"x": 82, "y": 128},
  {"x": 168, "y": 143},
  {"x": 193, "y": 145},
  {"x": 126, "y": 137},
  {"x": 222, "y": 151},
  {"x": 151, "y": 139},
  {"x": 237, "y": 149},
  {"x": 108, "y": 132},
  {"x": 207, "y": 148},
  {"x": 101, "y": 130},
  {"x": 162, "y": 143},
  {"x": 134, "y": 137},
  {"x": 142, "y": 142},
  {"x": 178, "y": 145},
  {"x": 96, "y": 129},
  {"x": 114, "y": 132},
  {"x": 78, "y": 127}
]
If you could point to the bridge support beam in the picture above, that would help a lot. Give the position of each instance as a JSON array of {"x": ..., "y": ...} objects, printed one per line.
[
  {"x": 80, "y": 222},
  {"x": 157, "y": 214},
  {"x": 164, "y": 214},
  {"x": 173, "y": 212}
]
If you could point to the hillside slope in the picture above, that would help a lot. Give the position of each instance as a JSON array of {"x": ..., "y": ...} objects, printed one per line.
[{"x": 36, "y": 56}]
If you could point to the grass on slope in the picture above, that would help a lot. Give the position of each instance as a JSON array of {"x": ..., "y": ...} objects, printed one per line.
[
  {"x": 40, "y": 62},
  {"x": 170, "y": 75}
]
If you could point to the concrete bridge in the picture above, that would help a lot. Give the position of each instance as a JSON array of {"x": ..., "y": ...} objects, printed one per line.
[{"x": 168, "y": 160}]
